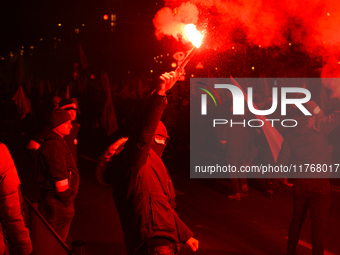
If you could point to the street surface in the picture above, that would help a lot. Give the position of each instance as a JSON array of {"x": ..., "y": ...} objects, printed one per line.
[{"x": 256, "y": 225}]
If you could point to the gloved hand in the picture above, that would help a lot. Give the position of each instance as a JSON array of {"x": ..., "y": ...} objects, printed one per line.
[{"x": 193, "y": 243}]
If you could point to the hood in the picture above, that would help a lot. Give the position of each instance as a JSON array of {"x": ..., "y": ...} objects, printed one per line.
[{"x": 160, "y": 130}]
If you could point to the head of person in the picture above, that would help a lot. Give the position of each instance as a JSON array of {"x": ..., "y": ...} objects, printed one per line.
[
  {"x": 160, "y": 139},
  {"x": 158, "y": 143},
  {"x": 305, "y": 122},
  {"x": 69, "y": 106},
  {"x": 61, "y": 122}
]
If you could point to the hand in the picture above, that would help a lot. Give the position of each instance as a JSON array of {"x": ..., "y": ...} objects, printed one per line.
[
  {"x": 193, "y": 243},
  {"x": 179, "y": 71},
  {"x": 168, "y": 80}
]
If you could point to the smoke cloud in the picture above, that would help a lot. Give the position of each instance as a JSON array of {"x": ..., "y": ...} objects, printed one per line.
[
  {"x": 171, "y": 22},
  {"x": 314, "y": 25}
]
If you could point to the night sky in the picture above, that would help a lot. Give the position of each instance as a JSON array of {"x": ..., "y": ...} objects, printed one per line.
[
  {"x": 132, "y": 44},
  {"x": 250, "y": 33}
]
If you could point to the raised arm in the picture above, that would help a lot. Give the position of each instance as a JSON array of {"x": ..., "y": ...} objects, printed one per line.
[{"x": 137, "y": 147}]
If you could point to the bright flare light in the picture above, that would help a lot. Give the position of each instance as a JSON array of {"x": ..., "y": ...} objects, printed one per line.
[{"x": 193, "y": 35}]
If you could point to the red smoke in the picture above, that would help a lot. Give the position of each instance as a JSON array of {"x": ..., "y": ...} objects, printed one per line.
[
  {"x": 314, "y": 25},
  {"x": 171, "y": 22}
]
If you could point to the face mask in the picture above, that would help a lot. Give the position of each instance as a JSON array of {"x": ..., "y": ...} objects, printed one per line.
[
  {"x": 157, "y": 148},
  {"x": 160, "y": 139}
]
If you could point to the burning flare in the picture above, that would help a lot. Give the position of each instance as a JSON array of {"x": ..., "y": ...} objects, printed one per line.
[{"x": 193, "y": 35}]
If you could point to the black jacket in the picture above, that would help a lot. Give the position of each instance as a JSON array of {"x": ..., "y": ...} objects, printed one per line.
[
  {"x": 55, "y": 163},
  {"x": 142, "y": 187},
  {"x": 308, "y": 144}
]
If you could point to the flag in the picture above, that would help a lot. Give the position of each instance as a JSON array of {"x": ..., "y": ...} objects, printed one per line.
[
  {"x": 108, "y": 116},
  {"x": 22, "y": 102},
  {"x": 274, "y": 138}
]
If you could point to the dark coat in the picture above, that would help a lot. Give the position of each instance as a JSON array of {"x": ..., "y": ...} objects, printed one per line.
[
  {"x": 71, "y": 139},
  {"x": 55, "y": 163},
  {"x": 10, "y": 209},
  {"x": 142, "y": 187},
  {"x": 308, "y": 143}
]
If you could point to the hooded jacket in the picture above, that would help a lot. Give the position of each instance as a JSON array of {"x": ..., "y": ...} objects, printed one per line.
[
  {"x": 142, "y": 187},
  {"x": 12, "y": 222}
]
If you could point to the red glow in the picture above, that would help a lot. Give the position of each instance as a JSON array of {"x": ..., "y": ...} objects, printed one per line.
[
  {"x": 194, "y": 36},
  {"x": 171, "y": 23},
  {"x": 313, "y": 26},
  {"x": 105, "y": 17}
]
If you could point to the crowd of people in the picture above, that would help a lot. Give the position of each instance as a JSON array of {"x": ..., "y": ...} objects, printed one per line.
[
  {"x": 308, "y": 143},
  {"x": 142, "y": 186},
  {"x": 142, "y": 175}
]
